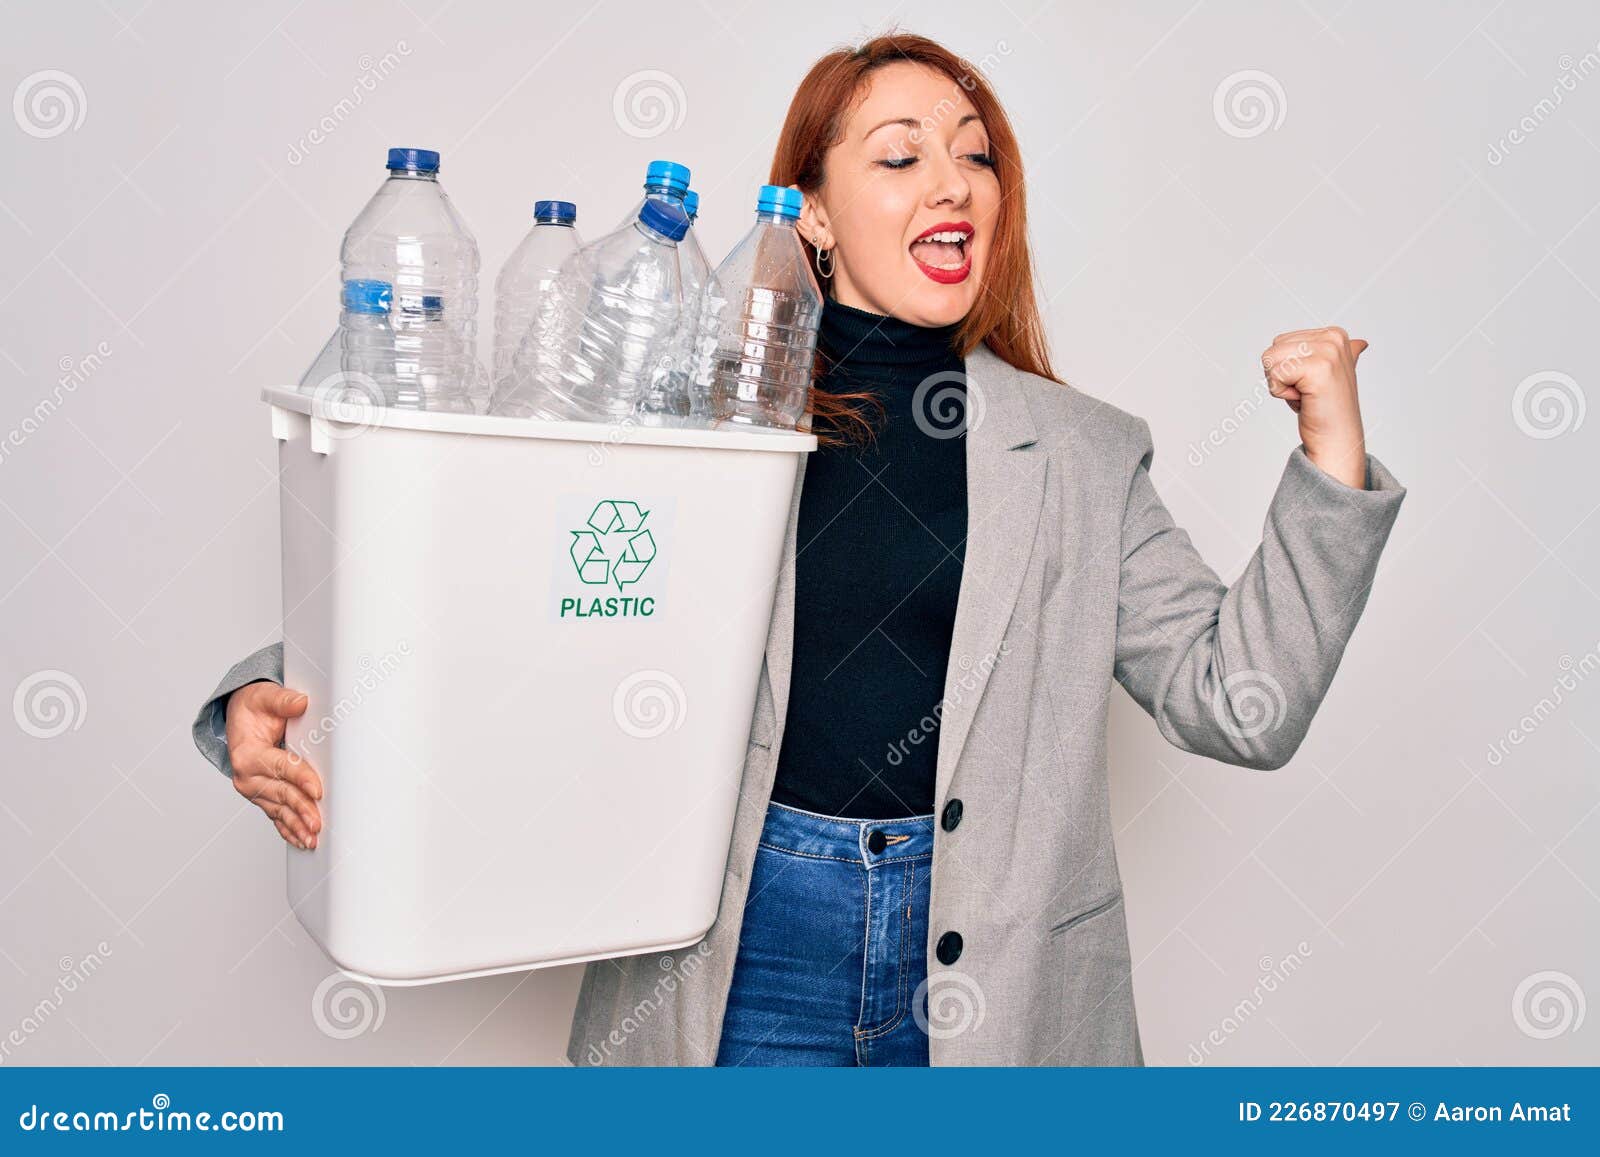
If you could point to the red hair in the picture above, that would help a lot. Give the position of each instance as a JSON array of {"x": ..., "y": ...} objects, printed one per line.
[{"x": 1006, "y": 315}]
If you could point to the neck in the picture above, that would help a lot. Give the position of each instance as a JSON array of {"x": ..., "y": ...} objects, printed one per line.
[{"x": 877, "y": 345}]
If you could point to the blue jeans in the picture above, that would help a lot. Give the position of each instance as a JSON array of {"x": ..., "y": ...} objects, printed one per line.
[{"x": 832, "y": 957}]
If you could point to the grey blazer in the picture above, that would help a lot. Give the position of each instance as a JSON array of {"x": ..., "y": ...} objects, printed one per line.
[{"x": 1075, "y": 577}]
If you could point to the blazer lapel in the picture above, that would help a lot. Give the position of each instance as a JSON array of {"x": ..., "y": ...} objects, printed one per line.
[{"x": 1005, "y": 492}]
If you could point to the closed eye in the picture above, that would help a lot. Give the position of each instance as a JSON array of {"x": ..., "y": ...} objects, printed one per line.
[{"x": 898, "y": 163}]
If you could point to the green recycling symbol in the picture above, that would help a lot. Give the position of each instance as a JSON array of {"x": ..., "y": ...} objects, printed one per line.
[{"x": 615, "y": 547}]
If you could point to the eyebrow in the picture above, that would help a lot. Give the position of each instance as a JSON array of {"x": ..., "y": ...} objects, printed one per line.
[{"x": 912, "y": 122}]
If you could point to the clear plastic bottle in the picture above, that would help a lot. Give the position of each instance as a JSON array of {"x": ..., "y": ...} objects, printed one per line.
[
  {"x": 366, "y": 345},
  {"x": 611, "y": 327},
  {"x": 768, "y": 333},
  {"x": 544, "y": 342},
  {"x": 680, "y": 396},
  {"x": 411, "y": 236},
  {"x": 527, "y": 275},
  {"x": 428, "y": 355}
]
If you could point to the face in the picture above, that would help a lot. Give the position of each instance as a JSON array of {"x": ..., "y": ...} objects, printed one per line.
[{"x": 909, "y": 199}]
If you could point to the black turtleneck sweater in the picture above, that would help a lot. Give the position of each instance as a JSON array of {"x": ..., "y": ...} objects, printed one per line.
[{"x": 880, "y": 543}]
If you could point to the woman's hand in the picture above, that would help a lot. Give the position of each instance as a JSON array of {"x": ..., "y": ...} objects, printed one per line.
[
  {"x": 1314, "y": 370},
  {"x": 279, "y": 782}
]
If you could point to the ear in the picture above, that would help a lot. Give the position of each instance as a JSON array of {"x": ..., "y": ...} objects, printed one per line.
[{"x": 813, "y": 222}]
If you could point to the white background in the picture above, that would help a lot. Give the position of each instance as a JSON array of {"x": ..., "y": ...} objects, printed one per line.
[{"x": 138, "y": 521}]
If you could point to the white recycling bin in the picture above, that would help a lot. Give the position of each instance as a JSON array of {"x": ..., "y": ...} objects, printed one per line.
[{"x": 532, "y": 652}]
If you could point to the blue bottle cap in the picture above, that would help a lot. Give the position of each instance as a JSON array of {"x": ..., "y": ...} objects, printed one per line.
[
  {"x": 691, "y": 204},
  {"x": 413, "y": 160},
  {"x": 363, "y": 296},
  {"x": 563, "y": 211},
  {"x": 668, "y": 173},
  {"x": 779, "y": 199},
  {"x": 665, "y": 218}
]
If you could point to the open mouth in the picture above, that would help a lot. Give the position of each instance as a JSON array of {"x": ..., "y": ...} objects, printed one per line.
[{"x": 944, "y": 252}]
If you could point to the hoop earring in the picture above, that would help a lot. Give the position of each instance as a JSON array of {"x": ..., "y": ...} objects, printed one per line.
[{"x": 824, "y": 269}]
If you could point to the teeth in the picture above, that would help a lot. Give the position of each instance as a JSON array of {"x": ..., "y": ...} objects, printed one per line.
[{"x": 948, "y": 237}]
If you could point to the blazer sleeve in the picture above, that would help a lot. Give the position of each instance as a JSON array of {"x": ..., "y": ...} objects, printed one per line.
[
  {"x": 210, "y": 734},
  {"x": 1237, "y": 673}
]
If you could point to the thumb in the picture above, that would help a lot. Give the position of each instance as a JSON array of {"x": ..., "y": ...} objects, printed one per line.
[
  {"x": 1356, "y": 346},
  {"x": 288, "y": 703}
]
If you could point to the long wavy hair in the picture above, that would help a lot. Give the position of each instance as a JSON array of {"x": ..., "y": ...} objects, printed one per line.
[{"x": 1006, "y": 315}]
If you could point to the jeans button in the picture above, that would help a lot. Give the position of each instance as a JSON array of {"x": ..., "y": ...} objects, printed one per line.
[{"x": 876, "y": 841}]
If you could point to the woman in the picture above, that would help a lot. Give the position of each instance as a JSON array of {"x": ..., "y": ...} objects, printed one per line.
[{"x": 922, "y": 868}]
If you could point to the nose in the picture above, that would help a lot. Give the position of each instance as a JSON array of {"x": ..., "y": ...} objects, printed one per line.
[{"x": 949, "y": 186}]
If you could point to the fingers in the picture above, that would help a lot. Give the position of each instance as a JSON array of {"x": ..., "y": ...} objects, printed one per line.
[
  {"x": 284, "y": 786},
  {"x": 1284, "y": 364},
  {"x": 1304, "y": 361},
  {"x": 1333, "y": 336},
  {"x": 286, "y": 702},
  {"x": 286, "y": 765},
  {"x": 1330, "y": 332},
  {"x": 287, "y": 805},
  {"x": 1288, "y": 393},
  {"x": 290, "y": 836}
]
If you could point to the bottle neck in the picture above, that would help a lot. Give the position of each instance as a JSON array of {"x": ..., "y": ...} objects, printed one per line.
[
  {"x": 411, "y": 175},
  {"x": 773, "y": 218},
  {"x": 655, "y": 235}
]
